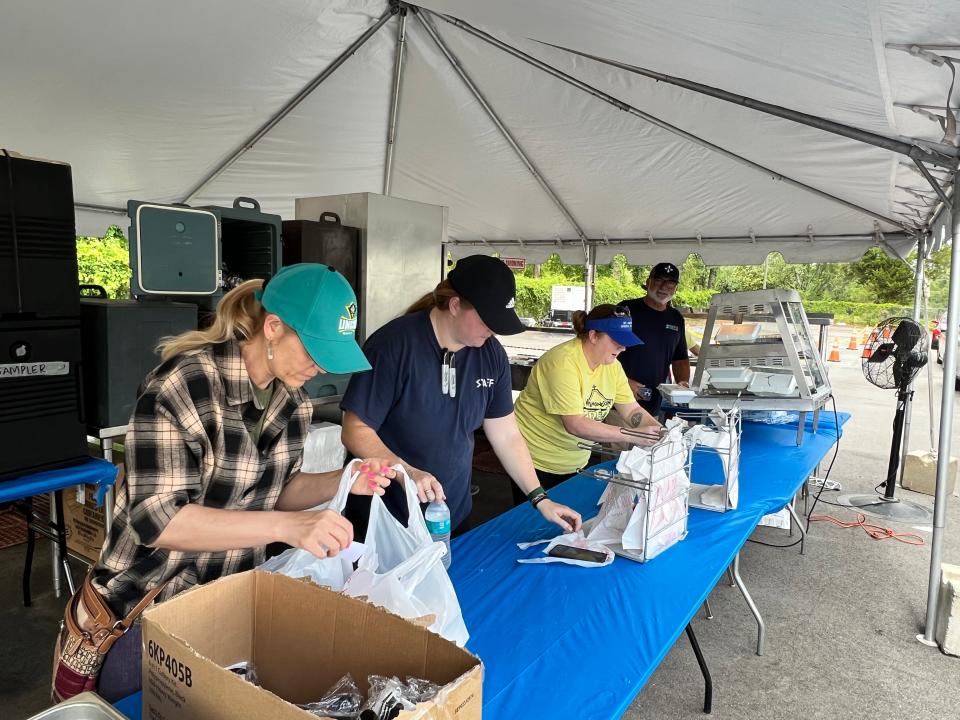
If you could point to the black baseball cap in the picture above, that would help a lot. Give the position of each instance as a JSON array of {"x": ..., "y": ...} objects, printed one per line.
[
  {"x": 488, "y": 284},
  {"x": 666, "y": 271}
]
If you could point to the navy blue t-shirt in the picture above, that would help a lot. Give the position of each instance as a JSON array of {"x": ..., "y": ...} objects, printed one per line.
[
  {"x": 664, "y": 342},
  {"x": 401, "y": 399}
]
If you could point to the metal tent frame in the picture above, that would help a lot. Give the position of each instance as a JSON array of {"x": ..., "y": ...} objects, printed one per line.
[{"x": 920, "y": 153}]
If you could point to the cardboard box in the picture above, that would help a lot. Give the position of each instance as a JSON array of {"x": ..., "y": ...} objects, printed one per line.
[
  {"x": 84, "y": 521},
  {"x": 920, "y": 472},
  {"x": 301, "y": 638}
]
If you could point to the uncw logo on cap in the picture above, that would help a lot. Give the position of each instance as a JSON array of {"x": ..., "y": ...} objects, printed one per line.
[{"x": 348, "y": 322}]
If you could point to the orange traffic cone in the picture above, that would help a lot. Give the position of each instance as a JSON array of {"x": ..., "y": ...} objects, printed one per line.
[
  {"x": 852, "y": 345},
  {"x": 886, "y": 332},
  {"x": 867, "y": 352},
  {"x": 834, "y": 352}
]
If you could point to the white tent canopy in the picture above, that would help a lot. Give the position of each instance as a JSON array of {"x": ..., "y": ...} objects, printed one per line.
[
  {"x": 145, "y": 100},
  {"x": 570, "y": 146}
]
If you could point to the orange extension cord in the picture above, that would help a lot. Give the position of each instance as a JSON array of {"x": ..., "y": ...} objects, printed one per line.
[{"x": 875, "y": 531}]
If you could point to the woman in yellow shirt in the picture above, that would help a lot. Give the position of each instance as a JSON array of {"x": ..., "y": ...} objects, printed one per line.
[{"x": 572, "y": 388}]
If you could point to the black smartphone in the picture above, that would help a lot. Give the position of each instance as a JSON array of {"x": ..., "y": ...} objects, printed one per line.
[{"x": 569, "y": 552}]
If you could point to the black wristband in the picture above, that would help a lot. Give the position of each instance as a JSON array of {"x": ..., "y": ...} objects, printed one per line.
[
  {"x": 539, "y": 498},
  {"x": 536, "y": 492}
]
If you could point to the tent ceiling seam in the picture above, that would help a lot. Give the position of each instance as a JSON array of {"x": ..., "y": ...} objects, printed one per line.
[
  {"x": 625, "y": 107},
  {"x": 910, "y": 149},
  {"x": 883, "y": 74},
  {"x": 457, "y": 66},
  {"x": 292, "y": 103}
]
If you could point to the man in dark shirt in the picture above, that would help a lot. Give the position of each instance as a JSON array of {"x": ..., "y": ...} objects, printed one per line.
[{"x": 661, "y": 328}]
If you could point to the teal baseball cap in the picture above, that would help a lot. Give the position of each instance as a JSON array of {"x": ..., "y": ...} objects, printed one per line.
[{"x": 318, "y": 302}]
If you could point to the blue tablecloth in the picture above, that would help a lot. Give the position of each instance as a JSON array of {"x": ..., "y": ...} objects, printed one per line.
[
  {"x": 92, "y": 472},
  {"x": 557, "y": 640},
  {"x": 562, "y": 641}
]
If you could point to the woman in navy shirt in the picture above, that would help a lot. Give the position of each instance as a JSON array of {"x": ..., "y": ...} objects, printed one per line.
[{"x": 405, "y": 409}]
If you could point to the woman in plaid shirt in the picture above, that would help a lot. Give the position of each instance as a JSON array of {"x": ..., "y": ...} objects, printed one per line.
[{"x": 215, "y": 444}]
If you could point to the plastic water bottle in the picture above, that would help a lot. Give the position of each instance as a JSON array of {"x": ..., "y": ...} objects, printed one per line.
[{"x": 437, "y": 516}]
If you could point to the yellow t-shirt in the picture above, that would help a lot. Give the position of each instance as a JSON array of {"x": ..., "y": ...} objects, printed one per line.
[{"x": 563, "y": 384}]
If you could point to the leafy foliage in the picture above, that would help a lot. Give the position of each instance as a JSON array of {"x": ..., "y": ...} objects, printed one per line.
[
  {"x": 105, "y": 261},
  {"x": 862, "y": 292}
]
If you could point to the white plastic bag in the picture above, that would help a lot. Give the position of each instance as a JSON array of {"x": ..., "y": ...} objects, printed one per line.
[
  {"x": 396, "y": 590},
  {"x": 323, "y": 450},
  {"x": 400, "y": 570},
  {"x": 574, "y": 539},
  {"x": 614, "y": 515},
  {"x": 328, "y": 572}
]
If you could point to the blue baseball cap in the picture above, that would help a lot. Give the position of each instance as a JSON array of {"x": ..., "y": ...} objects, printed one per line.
[
  {"x": 319, "y": 304},
  {"x": 618, "y": 328}
]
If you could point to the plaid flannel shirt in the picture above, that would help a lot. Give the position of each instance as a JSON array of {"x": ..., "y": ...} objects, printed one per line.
[{"x": 189, "y": 442}]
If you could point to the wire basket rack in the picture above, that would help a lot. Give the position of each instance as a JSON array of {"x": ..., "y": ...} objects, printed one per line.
[{"x": 645, "y": 507}]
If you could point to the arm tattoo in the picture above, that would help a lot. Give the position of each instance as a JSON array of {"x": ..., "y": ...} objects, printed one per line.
[{"x": 636, "y": 419}]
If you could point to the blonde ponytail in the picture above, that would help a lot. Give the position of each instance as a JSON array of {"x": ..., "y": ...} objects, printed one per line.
[{"x": 239, "y": 316}]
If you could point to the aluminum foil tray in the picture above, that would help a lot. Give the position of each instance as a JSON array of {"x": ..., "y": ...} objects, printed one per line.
[{"x": 85, "y": 706}]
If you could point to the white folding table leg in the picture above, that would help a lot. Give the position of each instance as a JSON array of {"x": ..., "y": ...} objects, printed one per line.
[
  {"x": 106, "y": 446},
  {"x": 761, "y": 627},
  {"x": 796, "y": 519},
  {"x": 55, "y": 548}
]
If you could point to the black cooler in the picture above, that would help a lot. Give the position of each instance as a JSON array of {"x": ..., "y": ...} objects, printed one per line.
[
  {"x": 119, "y": 341},
  {"x": 328, "y": 242},
  {"x": 194, "y": 255}
]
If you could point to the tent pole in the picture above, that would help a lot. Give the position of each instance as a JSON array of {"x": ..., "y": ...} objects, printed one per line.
[
  {"x": 475, "y": 91},
  {"x": 290, "y": 105},
  {"x": 908, "y": 403},
  {"x": 943, "y": 157},
  {"x": 395, "y": 99},
  {"x": 100, "y": 208},
  {"x": 928, "y": 176},
  {"x": 946, "y": 426},
  {"x": 696, "y": 243},
  {"x": 590, "y": 277},
  {"x": 620, "y": 105}
]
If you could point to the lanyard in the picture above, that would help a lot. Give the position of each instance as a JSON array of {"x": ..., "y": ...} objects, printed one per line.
[{"x": 448, "y": 374}]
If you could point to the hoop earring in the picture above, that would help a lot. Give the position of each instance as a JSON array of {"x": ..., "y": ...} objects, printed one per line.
[{"x": 269, "y": 350}]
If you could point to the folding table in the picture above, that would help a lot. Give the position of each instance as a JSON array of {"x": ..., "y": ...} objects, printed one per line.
[{"x": 21, "y": 490}]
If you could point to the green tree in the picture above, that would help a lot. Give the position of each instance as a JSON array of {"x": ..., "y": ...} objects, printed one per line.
[
  {"x": 887, "y": 280},
  {"x": 554, "y": 267},
  {"x": 938, "y": 275},
  {"x": 105, "y": 261},
  {"x": 694, "y": 274}
]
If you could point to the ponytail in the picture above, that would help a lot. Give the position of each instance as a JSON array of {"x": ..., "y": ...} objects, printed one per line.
[
  {"x": 439, "y": 298},
  {"x": 239, "y": 316}
]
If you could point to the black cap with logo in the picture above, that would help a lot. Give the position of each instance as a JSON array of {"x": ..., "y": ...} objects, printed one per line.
[
  {"x": 488, "y": 284},
  {"x": 665, "y": 271}
]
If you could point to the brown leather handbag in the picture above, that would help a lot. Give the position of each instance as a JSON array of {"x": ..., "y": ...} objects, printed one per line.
[{"x": 88, "y": 631}]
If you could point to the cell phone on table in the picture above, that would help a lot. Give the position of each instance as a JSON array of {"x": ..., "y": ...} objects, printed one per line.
[{"x": 569, "y": 552}]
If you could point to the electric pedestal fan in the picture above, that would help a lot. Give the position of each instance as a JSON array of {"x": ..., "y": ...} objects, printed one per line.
[{"x": 894, "y": 354}]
